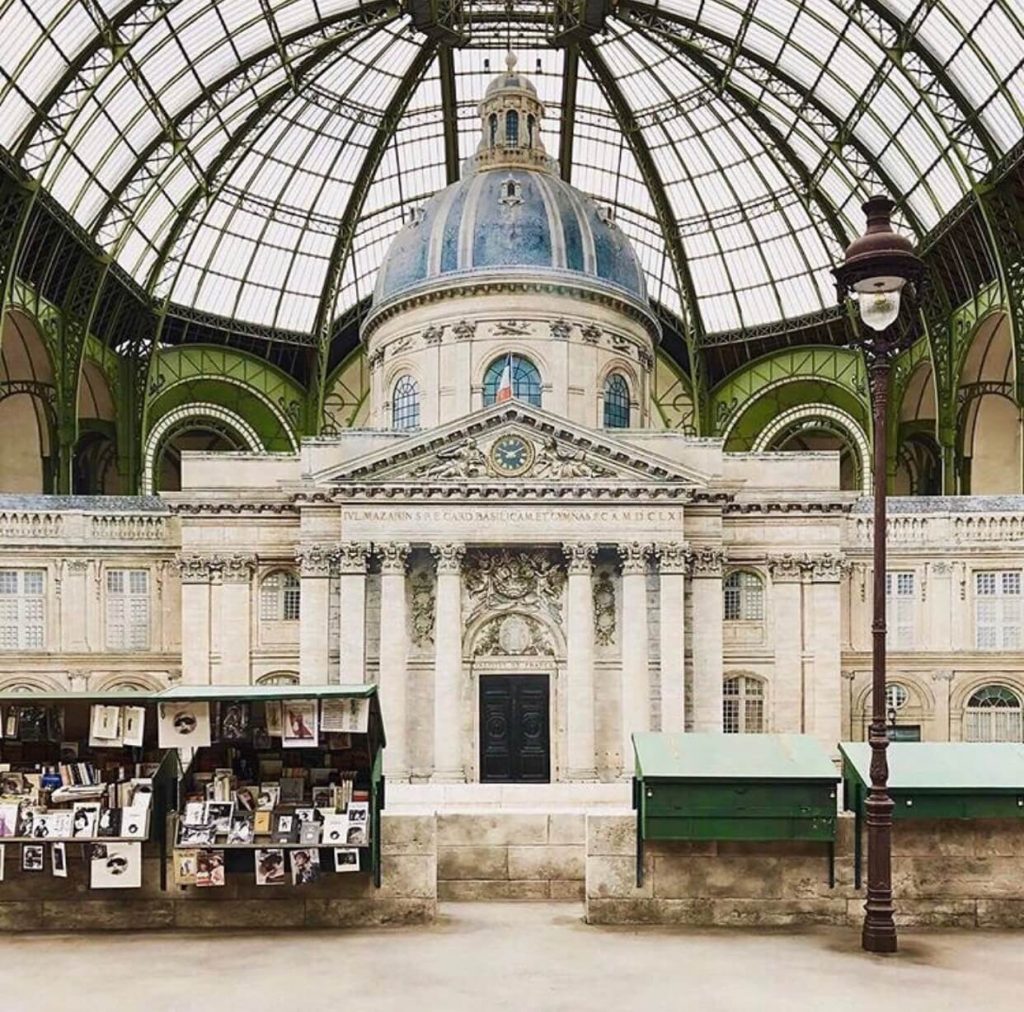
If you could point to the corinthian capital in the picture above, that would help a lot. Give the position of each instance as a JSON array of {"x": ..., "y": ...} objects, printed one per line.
[
  {"x": 197, "y": 568},
  {"x": 352, "y": 556},
  {"x": 238, "y": 568},
  {"x": 580, "y": 556},
  {"x": 393, "y": 556},
  {"x": 634, "y": 557},
  {"x": 827, "y": 568},
  {"x": 317, "y": 560},
  {"x": 786, "y": 568},
  {"x": 448, "y": 556},
  {"x": 673, "y": 556},
  {"x": 706, "y": 563}
]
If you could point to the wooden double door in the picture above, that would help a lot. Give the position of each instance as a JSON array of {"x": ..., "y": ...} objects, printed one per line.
[{"x": 515, "y": 732}]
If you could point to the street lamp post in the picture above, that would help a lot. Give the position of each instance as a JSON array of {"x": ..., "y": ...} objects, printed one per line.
[{"x": 878, "y": 269}]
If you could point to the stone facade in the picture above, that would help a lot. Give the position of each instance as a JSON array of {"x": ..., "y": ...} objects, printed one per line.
[{"x": 945, "y": 874}]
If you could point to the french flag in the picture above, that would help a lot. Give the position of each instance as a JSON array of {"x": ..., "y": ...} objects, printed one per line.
[{"x": 505, "y": 385}]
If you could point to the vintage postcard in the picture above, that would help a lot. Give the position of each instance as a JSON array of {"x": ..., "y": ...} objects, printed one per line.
[
  {"x": 300, "y": 723},
  {"x": 32, "y": 856},
  {"x": 269, "y": 867},
  {"x": 305, "y": 866},
  {"x": 59, "y": 860},
  {"x": 185, "y": 867},
  {"x": 184, "y": 725},
  {"x": 346, "y": 859},
  {"x": 209, "y": 868}
]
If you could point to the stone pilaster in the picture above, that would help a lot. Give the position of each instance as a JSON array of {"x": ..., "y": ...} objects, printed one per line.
[
  {"x": 235, "y": 619},
  {"x": 581, "y": 761},
  {"x": 394, "y": 651},
  {"x": 448, "y": 752},
  {"x": 824, "y": 712},
  {"x": 787, "y": 627},
  {"x": 706, "y": 574},
  {"x": 352, "y": 557},
  {"x": 672, "y": 561},
  {"x": 943, "y": 683},
  {"x": 317, "y": 564},
  {"x": 636, "y": 694},
  {"x": 196, "y": 573}
]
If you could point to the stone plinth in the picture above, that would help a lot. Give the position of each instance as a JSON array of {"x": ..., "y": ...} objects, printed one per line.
[{"x": 945, "y": 874}]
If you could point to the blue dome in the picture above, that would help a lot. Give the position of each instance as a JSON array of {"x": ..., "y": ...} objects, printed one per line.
[{"x": 514, "y": 222}]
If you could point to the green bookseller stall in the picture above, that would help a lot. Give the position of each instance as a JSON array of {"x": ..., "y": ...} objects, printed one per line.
[
  {"x": 937, "y": 780},
  {"x": 733, "y": 787}
]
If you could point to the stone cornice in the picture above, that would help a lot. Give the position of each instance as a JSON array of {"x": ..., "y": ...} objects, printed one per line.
[
  {"x": 791, "y": 567},
  {"x": 497, "y": 492},
  {"x": 774, "y": 506},
  {"x": 235, "y": 507}
]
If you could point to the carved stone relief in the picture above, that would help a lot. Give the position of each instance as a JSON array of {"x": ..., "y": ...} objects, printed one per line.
[
  {"x": 513, "y": 635},
  {"x": 503, "y": 580},
  {"x": 421, "y": 590},
  {"x": 464, "y": 460},
  {"x": 604, "y": 609},
  {"x": 554, "y": 461}
]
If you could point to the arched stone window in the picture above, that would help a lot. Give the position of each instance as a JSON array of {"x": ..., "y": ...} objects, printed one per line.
[
  {"x": 743, "y": 705},
  {"x": 512, "y": 376},
  {"x": 278, "y": 678},
  {"x": 743, "y": 593},
  {"x": 993, "y": 714},
  {"x": 531, "y": 125},
  {"x": 405, "y": 403},
  {"x": 279, "y": 597},
  {"x": 511, "y": 128},
  {"x": 616, "y": 402},
  {"x": 492, "y": 128}
]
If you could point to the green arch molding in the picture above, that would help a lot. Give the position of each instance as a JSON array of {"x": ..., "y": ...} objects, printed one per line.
[
  {"x": 264, "y": 396},
  {"x": 967, "y": 320},
  {"x": 347, "y": 394},
  {"x": 672, "y": 396},
  {"x": 743, "y": 403}
]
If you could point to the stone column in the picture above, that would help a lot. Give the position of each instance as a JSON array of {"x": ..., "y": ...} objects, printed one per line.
[
  {"x": 824, "y": 713},
  {"x": 235, "y": 619},
  {"x": 316, "y": 565},
  {"x": 706, "y": 572},
  {"x": 448, "y": 758},
  {"x": 787, "y": 706},
  {"x": 352, "y": 558},
  {"x": 196, "y": 571},
  {"x": 393, "y": 681},
  {"x": 581, "y": 757},
  {"x": 77, "y": 607},
  {"x": 636, "y": 688},
  {"x": 672, "y": 558}
]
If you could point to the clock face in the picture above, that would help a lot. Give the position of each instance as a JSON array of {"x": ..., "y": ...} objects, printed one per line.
[{"x": 512, "y": 455}]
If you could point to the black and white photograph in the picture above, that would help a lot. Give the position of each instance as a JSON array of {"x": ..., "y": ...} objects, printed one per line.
[
  {"x": 300, "y": 723},
  {"x": 9, "y": 817},
  {"x": 11, "y": 722},
  {"x": 358, "y": 812},
  {"x": 58, "y": 860},
  {"x": 32, "y": 856},
  {"x": 85, "y": 818},
  {"x": 270, "y": 867},
  {"x": 234, "y": 721},
  {"x": 268, "y": 797},
  {"x": 105, "y": 726},
  {"x": 305, "y": 866},
  {"x": 184, "y": 725},
  {"x": 323, "y": 797},
  {"x": 273, "y": 717},
  {"x": 335, "y": 828},
  {"x": 134, "y": 823},
  {"x": 194, "y": 813},
  {"x": 133, "y": 725},
  {"x": 195, "y": 836},
  {"x": 309, "y": 833},
  {"x": 245, "y": 799},
  {"x": 115, "y": 865},
  {"x": 285, "y": 828},
  {"x": 346, "y": 859},
  {"x": 306, "y": 814},
  {"x": 356, "y": 836},
  {"x": 109, "y": 822},
  {"x": 218, "y": 814},
  {"x": 33, "y": 723},
  {"x": 241, "y": 830}
]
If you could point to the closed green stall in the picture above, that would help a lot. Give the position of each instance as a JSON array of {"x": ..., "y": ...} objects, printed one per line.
[{"x": 733, "y": 787}]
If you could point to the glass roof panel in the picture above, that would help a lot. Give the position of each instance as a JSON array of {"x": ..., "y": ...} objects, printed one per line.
[{"x": 217, "y": 148}]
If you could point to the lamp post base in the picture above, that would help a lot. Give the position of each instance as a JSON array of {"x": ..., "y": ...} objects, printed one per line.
[{"x": 879, "y": 935}]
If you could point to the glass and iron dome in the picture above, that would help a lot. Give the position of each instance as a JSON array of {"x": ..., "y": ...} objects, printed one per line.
[{"x": 256, "y": 161}]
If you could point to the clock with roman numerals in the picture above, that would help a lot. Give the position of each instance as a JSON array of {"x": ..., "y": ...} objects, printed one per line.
[{"x": 512, "y": 456}]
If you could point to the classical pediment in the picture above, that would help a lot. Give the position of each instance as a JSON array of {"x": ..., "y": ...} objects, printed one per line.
[{"x": 514, "y": 443}]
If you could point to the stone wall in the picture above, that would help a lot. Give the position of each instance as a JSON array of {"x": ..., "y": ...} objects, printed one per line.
[
  {"x": 510, "y": 856},
  {"x": 37, "y": 901},
  {"x": 945, "y": 874}
]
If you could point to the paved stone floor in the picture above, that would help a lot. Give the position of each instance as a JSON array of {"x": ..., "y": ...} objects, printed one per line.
[{"x": 486, "y": 957}]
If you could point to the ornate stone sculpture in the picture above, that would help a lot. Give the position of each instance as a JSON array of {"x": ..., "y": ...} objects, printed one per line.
[
  {"x": 512, "y": 328},
  {"x": 580, "y": 556},
  {"x": 421, "y": 588},
  {"x": 554, "y": 461},
  {"x": 561, "y": 329},
  {"x": 591, "y": 333},
  {"x": 239, "y": 568},
  {"x": 706, "y": 562},
  {"x": 604, "y": 609},
  {"x": 433, "y": 334},
  {"x": 673, "y": 556},
  {"x": 513, "y": 635},
  {"x": 317, "y": 560},
  {"x": 505, "y": 580},
  {"x": 465, "y": 460},
  {"x": 449, "y": 557},
  {"x": 392, "y": 557},
  {"x": 464, "y": 329},
  {"x": 634, "y": 557},
  {"x": 352, "y": 557},
  {"x": 197, "y": 568}
]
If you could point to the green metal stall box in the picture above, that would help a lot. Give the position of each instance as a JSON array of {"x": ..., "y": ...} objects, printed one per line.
[
  {"x": 733, "y": 787},
  {"x": 937, "y": 780}
]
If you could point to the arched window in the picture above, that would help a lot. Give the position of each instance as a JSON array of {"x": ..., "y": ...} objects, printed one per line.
[
  {"x": 743, "y": 705},
  {"x": 511, "y": 128},
  {"x": 896, "y": 696},
  {"x": 512, "y": 376},
  {"x": 278, "y": 678},
  {"x": 744, "y": 597},
  {"x": 279, "y": 597},
  {"x": 616, "y": 402},
  {"x": 492, "y": 128},
  {"x": 530, "y": 124},
  {"x": 993, "y": 714},
  {"x": 405, "y": 404}
]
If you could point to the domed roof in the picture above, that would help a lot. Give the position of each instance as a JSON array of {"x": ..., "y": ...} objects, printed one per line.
[
  {"x": 511, "y": 221},
  {"x": 511, "y": 216}
]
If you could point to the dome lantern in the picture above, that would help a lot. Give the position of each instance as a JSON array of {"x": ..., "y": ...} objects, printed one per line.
[{"x": 510, "y": 122}]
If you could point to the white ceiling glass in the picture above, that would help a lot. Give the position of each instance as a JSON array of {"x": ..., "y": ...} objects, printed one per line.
[{"x": 253, "y": 158}]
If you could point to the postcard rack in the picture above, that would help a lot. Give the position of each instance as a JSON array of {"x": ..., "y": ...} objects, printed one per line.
[
  {"x": 275, "y": 779},
  {"x": 81, "y": 773}
]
